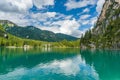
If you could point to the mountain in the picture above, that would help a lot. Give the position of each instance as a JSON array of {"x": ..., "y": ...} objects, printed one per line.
[
  {"x": 106, "y": 32},
  {"x": 9, "y": 40},
  {"x": 31, "y": 32}
]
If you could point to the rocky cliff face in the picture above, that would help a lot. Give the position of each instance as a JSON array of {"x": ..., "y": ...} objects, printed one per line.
[
  {"x": 108, "y": 13},
  {"x": 106, "y": 33}
]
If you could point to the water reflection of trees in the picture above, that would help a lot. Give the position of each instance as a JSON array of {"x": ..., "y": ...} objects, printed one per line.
[
  {"x": 106, "y": 62},
  {"x": 13, "y": 58}
]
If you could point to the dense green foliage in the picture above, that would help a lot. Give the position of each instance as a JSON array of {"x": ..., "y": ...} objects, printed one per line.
[
  {"x": 18, "y": 42},
  {"x": 65, "y": 43}
]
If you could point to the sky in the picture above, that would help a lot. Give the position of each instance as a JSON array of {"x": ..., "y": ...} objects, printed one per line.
[{"x": 71, "y": 17}]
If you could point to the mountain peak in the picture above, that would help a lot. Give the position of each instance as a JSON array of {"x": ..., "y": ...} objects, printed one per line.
[{"x": 7, "y": 23}]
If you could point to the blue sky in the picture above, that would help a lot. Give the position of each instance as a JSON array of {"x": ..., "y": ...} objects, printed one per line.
[{"x": 72, "y": 17}]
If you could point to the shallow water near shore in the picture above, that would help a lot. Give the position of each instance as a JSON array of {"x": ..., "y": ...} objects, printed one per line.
[{"x": 59, "y": 64}]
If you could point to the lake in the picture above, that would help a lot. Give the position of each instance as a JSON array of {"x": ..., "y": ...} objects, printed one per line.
[{"x": 59, "y": 64}]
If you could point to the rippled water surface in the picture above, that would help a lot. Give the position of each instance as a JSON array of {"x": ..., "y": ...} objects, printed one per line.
[{"x": 59, "y": 64}]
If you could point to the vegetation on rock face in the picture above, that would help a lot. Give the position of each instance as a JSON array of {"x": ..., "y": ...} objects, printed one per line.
[
  {"x": 109, "y": 39},
  {"x": 106, "y": 33}
]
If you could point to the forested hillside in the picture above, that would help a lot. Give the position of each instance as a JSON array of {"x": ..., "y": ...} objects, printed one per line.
[{"x": 8, "y": 40}]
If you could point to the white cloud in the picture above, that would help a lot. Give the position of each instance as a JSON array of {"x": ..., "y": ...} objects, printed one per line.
[
  {"x": 14, "y": 17},
  {"x": 85, "y": 16},
  {"x": 17, "y": 11},
  {"x": 42, "y": 16},
  {"x": 99, "y": 6},
  {"x": 15, "y": 5},
  {"x": 86, "y": 10},
  {"x": 60, "y": 16},
  {"x": 41, "y": 3},
  {"x": 23, "y": 5},
  {"x": 70, "y": 27},
  {"x": 72, "y": 4},
  {"x": 85, "y": 22},
  {"x": 51, "y": 14}
]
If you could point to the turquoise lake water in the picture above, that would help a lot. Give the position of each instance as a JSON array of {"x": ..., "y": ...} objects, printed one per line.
[{"x": 59, "y": 64}]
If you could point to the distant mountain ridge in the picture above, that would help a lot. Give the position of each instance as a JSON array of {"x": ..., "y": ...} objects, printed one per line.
[{"x": 31, "y": 32}]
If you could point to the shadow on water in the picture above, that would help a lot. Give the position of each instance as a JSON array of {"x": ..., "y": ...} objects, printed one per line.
[{"x": 105, "y": 62}]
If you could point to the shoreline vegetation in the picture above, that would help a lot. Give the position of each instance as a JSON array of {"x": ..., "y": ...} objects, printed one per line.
[
  {"x": 29, "y": 47},
  {"x": 15, "y": 42}
]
